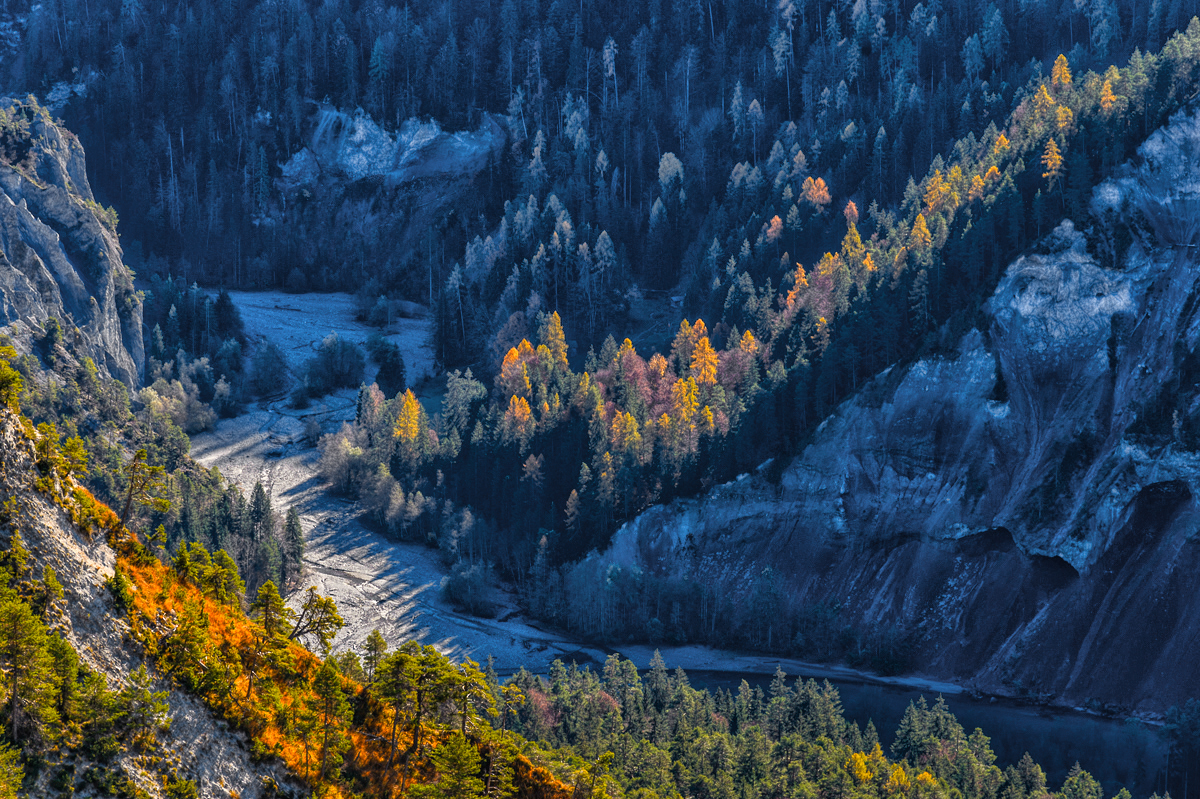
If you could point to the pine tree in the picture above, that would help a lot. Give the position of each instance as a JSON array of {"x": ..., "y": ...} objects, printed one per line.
[
  {"x": 270, "y": 610},
  {"x": 457, "y": 763},
  {"x": 374, "y": 651},
  {"x": 12, "y": 773},
  {"x": 25, "y": 667},
  {"x": 334, "y": 713},
  {"x": 293, "y": 548},
  {"x": 318, "y": 618},
  {"x": 143, "y": 479}
]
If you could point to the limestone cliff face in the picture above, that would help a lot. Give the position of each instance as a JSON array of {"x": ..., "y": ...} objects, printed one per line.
[
  {"x": 388, "y": 192},
  {"x": 57, "y": 258},
  {"x": 1024, "y": 506}
]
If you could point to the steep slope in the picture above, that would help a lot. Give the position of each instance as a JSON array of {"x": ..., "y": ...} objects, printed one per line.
[
  {"x": 1022, "y": 507},
  {"x": 59, "y": 255},
  {"x": 196, "y": 746}
]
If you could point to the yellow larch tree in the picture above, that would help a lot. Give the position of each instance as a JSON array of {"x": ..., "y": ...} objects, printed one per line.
[
  {"x": 1060, "y": 74},
  {"x": 704, "y": 363},
  {"x": 408, "y": 421},
  {"x": 1042, "y": 101},
  {"x": 919, "y": 238},
  {"x": 1107, "y": 98},
  {"x": 748, "y": 344},
  {"x": 816, "y": 193},
  {"x": 976, "y": 191},
  {"x": 626, "y": 435},
  {"x": 1063, "y": 118},
  {"x": 555, "y": 340},
  {"x": 1052, "y": 160}
]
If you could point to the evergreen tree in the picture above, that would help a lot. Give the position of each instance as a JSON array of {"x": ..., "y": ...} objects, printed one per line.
[
  {"x": 26, "y": 668},
  {"x": 293, "y": 548},
  {"x": 457, "y": 762},
  {"x": 269, "y": 608},
  {"x": 374, "y": 652},
  {"x": 334, "y": 712},
  {"x": 12, "y": 772}
]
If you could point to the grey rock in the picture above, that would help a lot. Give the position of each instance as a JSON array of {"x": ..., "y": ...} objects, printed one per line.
[
  {"x": 1036, "y": 539},
  {"x": 58, "y": 259}
]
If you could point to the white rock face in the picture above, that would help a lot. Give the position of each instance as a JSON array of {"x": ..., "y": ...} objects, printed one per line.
[
  {"x": 356, "y": 147},
  {"x": 57, "y": 258},
  {"x": 1016, "y": 503}
]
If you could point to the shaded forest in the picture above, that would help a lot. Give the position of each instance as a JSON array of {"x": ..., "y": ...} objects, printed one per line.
[{"x": 818, "y": 192}]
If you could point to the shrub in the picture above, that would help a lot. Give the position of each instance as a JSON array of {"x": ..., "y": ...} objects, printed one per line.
[
  {"x": 468, "y": 587},
  {"x": 268, "y": 370},
  {"x": 337, "y": 364}
]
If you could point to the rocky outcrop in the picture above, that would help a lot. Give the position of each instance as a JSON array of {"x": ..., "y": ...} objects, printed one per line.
[
  {"x": 395, "y": 194},
  {"x": 59, "y": 255},
  {"x": 1024, "y": 507}
]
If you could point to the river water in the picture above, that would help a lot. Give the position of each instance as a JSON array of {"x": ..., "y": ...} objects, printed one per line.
[{"x": 1118, "y": 753}]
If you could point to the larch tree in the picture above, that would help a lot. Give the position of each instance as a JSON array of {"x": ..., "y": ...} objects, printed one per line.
[{"x": 1052, "y": 160}]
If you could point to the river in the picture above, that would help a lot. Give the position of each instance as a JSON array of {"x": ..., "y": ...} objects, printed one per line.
[
  {"x": 1118, "y": 753},
  {"x": 379, "y": 584}
]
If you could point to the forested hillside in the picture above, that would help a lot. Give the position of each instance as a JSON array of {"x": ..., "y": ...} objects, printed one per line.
[
  {"x": 817, "y": 193},
  {"x": 383, "y": 721}
]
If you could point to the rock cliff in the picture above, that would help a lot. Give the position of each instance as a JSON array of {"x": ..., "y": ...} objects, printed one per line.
[
  {"x": 1023, "y": 507},
  {"x": 59, "y": 255},
  {"x": 394, "y": 194}
]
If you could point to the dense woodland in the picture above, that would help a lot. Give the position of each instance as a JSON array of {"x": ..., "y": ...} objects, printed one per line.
[
  {"x": 829, "y": 189},
  {"x": 818, "y": 192},
  {"x": 385, "y": 722}
]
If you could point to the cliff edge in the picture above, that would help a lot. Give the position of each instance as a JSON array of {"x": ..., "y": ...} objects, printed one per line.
[{"x": 59, "y": 254}]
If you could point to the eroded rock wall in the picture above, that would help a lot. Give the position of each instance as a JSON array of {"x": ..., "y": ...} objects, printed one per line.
[
  {"x": 197, "y": 745},
  {"x": 57, "y": 258},
  {"x": 1019, "y": 507}
]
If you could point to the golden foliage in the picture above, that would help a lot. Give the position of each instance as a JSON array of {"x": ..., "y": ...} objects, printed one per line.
[
  {"x": 1107, "y": 98},
  {"x": 773, "y": 230},
  {"x": 856, "y": 764},
  {"x": 1060, "y": 74},
  {"x": 1042, "y": 101},
  {"x": 1052, "y": 160},
  {"x": 408, "y": 422},
  {"x": 555, "y": 340},
  {"x": 919, "y": 239},
  {"x": 976, "y": 191},
  {"x": 626, "y": 437},
  {"x": 816, "y": 193},
  {"x": 1063, "y": 117},
  {"x": 898, "y": 782},
  {"x": 748, "y": 344},
  {"x": 684, "y": 399},
  {"x": 704, "y": 363}
]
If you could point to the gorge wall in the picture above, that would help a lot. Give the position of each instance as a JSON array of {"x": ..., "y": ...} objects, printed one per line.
[
  {"x": 59, "y": 254},
  {"x": 1023, "y": 506}
]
